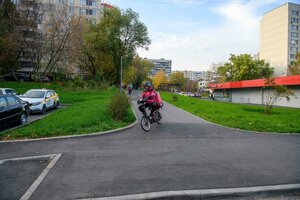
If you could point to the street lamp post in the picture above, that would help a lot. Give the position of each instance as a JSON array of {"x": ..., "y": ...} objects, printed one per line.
[{"x": 121, "y": 88}]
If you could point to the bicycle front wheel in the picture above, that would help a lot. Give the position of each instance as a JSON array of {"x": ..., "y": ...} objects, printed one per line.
[{"x": 145, "y": 124}]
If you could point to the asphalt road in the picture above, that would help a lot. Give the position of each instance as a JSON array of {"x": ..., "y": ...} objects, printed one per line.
[{"x": 184, "y": 153}]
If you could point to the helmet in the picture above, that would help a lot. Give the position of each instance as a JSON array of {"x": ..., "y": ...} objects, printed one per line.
[{"x": 147, "y": 84}]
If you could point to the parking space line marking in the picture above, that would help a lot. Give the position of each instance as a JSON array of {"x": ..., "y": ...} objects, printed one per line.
[
  {"x": 28, "y": 158},
  {"x": 38, "y": 181}
]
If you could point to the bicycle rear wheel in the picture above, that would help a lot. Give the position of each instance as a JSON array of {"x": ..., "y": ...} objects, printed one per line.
[{"x": 145, "y": 124}]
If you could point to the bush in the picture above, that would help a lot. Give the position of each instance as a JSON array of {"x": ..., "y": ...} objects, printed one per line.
[
  {"x": 174, "y": 97},
  {"x": 92, "y": 84},
  {"x": 118, "y": 106},
  {"x": 78, "y": 82}
]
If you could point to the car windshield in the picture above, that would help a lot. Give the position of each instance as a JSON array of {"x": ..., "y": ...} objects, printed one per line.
[{"x": 34, "y": 94}]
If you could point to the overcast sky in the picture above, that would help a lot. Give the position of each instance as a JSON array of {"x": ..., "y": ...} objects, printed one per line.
[{"x": 196, "y": 33}]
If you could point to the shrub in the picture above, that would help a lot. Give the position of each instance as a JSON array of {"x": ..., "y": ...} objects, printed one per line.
[
  {"x": 118, "y": 106},
  {"x": 174, "y": 97},
  {"x": 78, "y": 82},
  {"x": 92, "y": 84}
]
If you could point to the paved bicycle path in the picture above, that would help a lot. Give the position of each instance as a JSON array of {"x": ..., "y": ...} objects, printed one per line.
[{"x": 184, "y": 153}]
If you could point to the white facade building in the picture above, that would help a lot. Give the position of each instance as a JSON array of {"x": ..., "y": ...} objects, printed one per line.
[{"x": 161, "y": 64}]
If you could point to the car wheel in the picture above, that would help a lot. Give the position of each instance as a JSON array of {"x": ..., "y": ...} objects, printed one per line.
[
  {"x": 43, "y": 111},
  {"x": 56, "y": 105},
  {"x": 23, "y": 119}
]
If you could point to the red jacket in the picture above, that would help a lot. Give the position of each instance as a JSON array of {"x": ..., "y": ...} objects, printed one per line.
[{"x": 150, "y": 95}]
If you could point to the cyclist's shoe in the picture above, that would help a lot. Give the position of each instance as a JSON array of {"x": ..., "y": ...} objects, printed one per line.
[{"x": 151, "y": 120}]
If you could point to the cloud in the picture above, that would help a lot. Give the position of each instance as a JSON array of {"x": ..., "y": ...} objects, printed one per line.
[{"x": 238, "y": 33}]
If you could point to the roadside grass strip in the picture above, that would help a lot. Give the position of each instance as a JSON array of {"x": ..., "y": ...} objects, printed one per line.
[
  {"x": 87, "y": 114},
  {"x": 239, "y": 116}
]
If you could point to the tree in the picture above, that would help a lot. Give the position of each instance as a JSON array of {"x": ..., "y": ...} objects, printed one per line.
[
  {"x": 178, "y": 78},
  {"x": 191, "y": 86},
  {"x": 159, "y": 78},
  {"x": 58, "y": 29},
  {"x": 119, "y": 34},
  {"x": 294, "y": 68},
  {"x": 19, "y": 33},
  {"x": 244, "y": 67},
  {"x": 8, "y": 36},
  {"x": 137, "y": 71},
  {"x": 280, "y": 91}
]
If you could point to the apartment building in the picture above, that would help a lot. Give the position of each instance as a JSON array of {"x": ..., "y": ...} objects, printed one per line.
[
  {"x": 280, "y": 37},
  {"x": 39, "y": 14},
  {"x": 200, "y": 75},
  {"x": 161, "y": 64}
]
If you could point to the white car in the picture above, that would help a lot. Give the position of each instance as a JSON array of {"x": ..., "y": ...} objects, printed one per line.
[
  {"x": 183, "y": 93},
  {"x": 8, "y": 91},
  {"x": 40, "y": 100}
]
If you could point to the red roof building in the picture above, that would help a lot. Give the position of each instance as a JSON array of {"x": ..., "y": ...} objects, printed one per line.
[
  {"x": 108, "y": 6},
  {"x": 256, "y": 92},
  {"x": 285, "y": 80}
]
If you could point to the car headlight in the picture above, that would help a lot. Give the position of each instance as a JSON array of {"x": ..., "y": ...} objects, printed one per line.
[{"x": 37, "y": 103}]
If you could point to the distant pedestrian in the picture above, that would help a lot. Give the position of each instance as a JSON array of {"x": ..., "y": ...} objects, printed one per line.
[{"x": 129, "y": 89}]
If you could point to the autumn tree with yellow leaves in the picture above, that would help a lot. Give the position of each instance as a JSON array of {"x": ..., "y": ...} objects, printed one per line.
[{"x": 159, "y": 78}]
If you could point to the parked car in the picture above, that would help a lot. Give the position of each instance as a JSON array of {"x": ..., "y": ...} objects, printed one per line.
[
  {"x": 21, "y": 76},
  {"x": 189, "y": 94},
  {"x": 8, "y": 91},
  {"x": 40, "y": 100},
  {"x": 197, "y": 94},
  {"x": 183, "y": 93},
  {"x": 13, "y": 110}
]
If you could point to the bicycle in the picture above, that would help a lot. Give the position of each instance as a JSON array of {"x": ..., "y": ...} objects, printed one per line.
[{"x": 146, "y": 121}]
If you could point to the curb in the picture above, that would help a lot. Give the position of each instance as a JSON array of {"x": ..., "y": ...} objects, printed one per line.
[
  {"x": 207, "y": 193},
  {"x": 76, "y": 136},
  {"x": 236, "y": 129}
]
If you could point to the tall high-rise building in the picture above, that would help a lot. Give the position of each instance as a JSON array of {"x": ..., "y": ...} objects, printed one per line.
[{"x": 280, "y": 36}]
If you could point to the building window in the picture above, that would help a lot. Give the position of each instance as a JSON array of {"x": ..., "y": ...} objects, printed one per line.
[
  {"x": 293, "y": 34},
  {"x": 71, "y": 10},
  {"x": 16, "y": 2},
  {"x": 294, "y": 20},
  {"x": 83, "y": 2},
  {"x": 91, "y": 3},
  {"x": 71, "y": 2},
  {"x": 294, "y": 42},
  {"x": 294, "y": 27},
  {"x": 294, "y": 49},
  {"x": 292, "y": 56},
  {"x": 82, "y": 11},
  {"x": 296, "y": 13}
]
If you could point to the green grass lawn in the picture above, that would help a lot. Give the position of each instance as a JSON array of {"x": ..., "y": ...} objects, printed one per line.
[
  {"x": 247, "y": 117},
  {"x": 87, "y": 114}
]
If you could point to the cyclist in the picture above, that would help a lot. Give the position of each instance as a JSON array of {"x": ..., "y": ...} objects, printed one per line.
[{"x": 149, "y": 96}]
